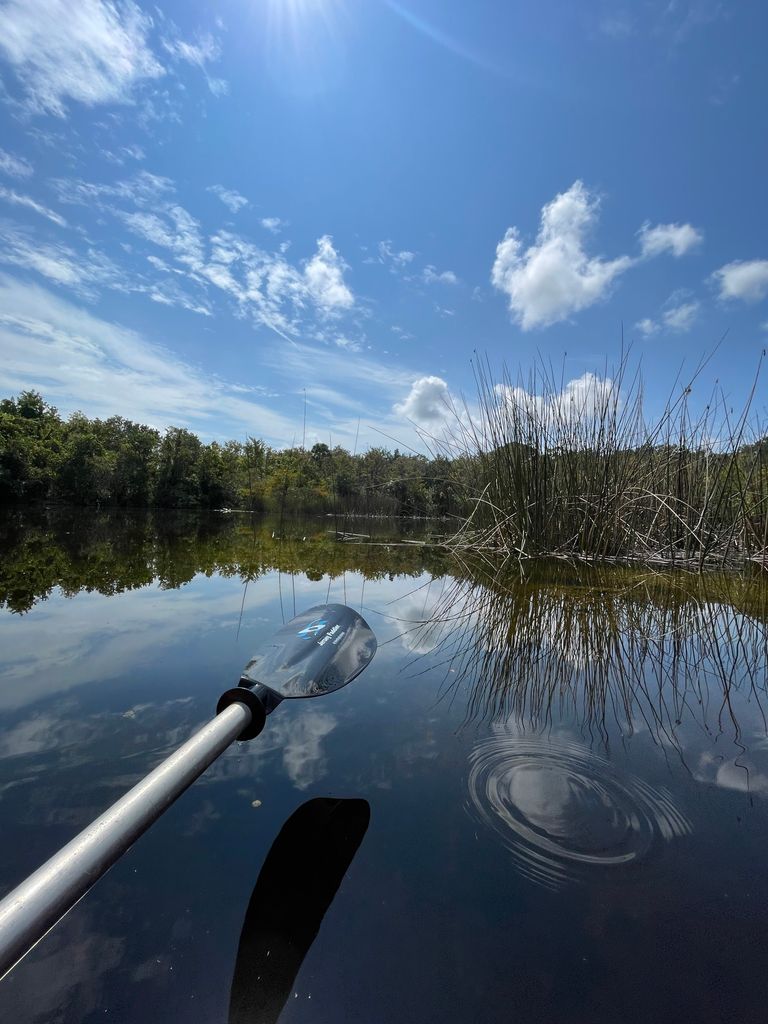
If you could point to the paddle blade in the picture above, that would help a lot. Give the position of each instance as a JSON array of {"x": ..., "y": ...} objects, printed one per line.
[
  {"x": 295, "y": 888},
  {"x": 318, "y": 651}
]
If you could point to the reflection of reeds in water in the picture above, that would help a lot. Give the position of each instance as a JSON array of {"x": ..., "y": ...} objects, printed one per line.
[{"x": 641, "y": 650}]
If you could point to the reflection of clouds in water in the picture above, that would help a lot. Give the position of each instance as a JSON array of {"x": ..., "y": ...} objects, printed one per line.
[
  {"x": 297, "y": 740},
  {"x": 563, "y": 810},
  {"x": 70, "y": 732},
  {"x": 411, "y": 611},
  {"x": 739, "y": 774},
  {"x": 303, "y": 757},
  {"x": 68, "y": 642},
  {"x": 64, "y": 978},
  {"x": 91, "y": 637}
]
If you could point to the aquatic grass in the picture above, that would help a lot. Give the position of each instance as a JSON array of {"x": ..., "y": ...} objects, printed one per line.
[{"x": 577, "y": 470}]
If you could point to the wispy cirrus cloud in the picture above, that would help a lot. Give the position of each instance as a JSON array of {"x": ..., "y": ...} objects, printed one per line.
[
  {"x": 57, "y": 262},
  {"x": 10, "y": 195},
  {"x": 15, "y": 166},
  {"x": 266, "y": 286},
  {"x": 203, "y": 51},
  {"x": 84, "y": 362},
  {"x": 231, "y": 199},
  {"x": 90, "y": 52},
  {"x": 396, "y": 259}
]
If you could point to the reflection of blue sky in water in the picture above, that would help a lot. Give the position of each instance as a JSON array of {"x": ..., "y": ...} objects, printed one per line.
[{"x": 96, "y": 690}]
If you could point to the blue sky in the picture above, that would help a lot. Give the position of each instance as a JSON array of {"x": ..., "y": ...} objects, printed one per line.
[{"x": 207, "y": 210}]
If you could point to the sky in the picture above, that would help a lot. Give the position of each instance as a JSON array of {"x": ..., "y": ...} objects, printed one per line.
[{"x": 308, "y": 220}]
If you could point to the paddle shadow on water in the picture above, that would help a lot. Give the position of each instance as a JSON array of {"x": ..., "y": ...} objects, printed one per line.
[{"x": 300, "y": 877}]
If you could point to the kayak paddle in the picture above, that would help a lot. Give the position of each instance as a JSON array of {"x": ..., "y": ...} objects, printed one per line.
[{"x": 318, "y": 651}]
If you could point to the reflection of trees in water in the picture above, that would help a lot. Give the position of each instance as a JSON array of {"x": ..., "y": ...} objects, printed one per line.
[
  {"x": 111, "y": 553},
  {"x": 637, "y": 649}
]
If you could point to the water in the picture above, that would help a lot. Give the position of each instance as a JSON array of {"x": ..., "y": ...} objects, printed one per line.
[{"x": 557, "y": 792}]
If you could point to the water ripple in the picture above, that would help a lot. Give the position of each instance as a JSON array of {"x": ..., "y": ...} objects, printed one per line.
[{"x": 562, "y": 809}]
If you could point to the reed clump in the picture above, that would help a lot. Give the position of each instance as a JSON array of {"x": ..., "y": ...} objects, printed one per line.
[{"x": 577, "y": 470}]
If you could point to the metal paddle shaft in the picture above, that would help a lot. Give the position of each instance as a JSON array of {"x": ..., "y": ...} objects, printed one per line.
[
  {"x": 318, "y": 651},
  {"x": 36, "y": 905}
]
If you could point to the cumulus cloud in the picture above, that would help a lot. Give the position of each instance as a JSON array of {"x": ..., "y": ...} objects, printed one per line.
[
  {"x": 324, "y": 275},
  {"x": 15, "y": 166},
  {"x": 743, "y": 279},
  {"x": 432, "y": 276},
  {"x": 428, "y": 403},
  {"x": 231, "y": 199},
  {"x": 677, "y": 239},
  {"x": 681, "y": 318},
  {"x": 91, "y": 51},
  {"x": 585, "y": 397},
  {"x": 555, "y": 277}
]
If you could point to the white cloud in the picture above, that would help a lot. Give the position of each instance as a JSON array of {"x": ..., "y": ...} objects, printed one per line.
[
  {"x": 583, "y": 398},
  {"x": 555, "y": 277},
  {"x": 143, "y": 189},
  {"x": 647, "y": 326},
  {"x": 678, "y": 315},
  {"x": 743, "y": 279},
  {"x": 324, "y": 275},
  {"x": 273, "y": 292},
  {"x": 348, "y": 344},
  {"x": 83, "y": 362},
  {"x": 433, "y": 276},
  {"x": 58, "y": 263},
  {"x": 173, "y": 228},
  {"x": 397, "y": 259},
  {"x": 681, "y": 318},
  {"x": 675, "y": 238},
  {"x": 91, "y": 51},
  {"x": 273, "y": 224},
  {"x": 205, "y": 51},
  {"x": 18, "y": 199},
  {"x": 15, "y": 166},
  {"x": 428, "y": 403},
  {"x": 231, "y": 199}
]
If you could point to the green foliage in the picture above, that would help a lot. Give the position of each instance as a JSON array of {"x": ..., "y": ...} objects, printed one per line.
[
  {"x": 115, "y": 462},
  {"x": 112, "y": 551}
]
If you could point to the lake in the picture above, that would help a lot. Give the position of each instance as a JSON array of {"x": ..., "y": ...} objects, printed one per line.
[{"x": 546, "y": 799}]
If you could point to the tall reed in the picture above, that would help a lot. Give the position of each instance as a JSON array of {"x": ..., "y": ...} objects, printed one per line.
[{"x": 577, "y": 469}]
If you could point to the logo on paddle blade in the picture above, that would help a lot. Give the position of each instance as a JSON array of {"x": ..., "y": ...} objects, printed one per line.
[{"x": 315, "y": 627}]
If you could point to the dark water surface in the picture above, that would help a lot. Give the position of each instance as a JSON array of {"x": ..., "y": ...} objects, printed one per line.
[{"x": 558, "y": 791}]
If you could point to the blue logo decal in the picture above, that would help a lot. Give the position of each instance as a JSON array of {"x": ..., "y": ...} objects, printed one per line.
[{"x": 312, "y": 629}]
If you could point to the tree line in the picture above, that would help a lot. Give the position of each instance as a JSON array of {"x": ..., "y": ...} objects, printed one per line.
[{"x": 45, "y": 458}]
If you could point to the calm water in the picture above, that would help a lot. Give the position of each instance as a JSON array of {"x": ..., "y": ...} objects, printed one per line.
[{"x": 555, "y": 795}]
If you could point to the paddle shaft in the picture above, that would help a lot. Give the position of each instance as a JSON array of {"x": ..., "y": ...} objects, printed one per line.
[{"x": 31, "y": 909}]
